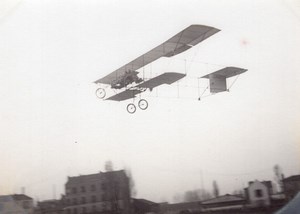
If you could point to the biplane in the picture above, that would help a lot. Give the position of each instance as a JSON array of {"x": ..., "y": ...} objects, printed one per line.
[{"x": 127, "y": 83}]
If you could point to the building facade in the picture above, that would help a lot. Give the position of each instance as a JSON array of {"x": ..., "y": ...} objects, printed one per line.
[
  {"x": 50, "y": 207},
  {"x": 143, "y": 206},
  {"x": 291, "y": 186},
  {"x": 104, "y": 192},
  {"x": 16, "y": 204},
  {"x": 259, "y": 193},
  {"x": 224, "y": 202}
]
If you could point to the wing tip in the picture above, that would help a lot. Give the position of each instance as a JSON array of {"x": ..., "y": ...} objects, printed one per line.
[{"x": 205, "y": 26}]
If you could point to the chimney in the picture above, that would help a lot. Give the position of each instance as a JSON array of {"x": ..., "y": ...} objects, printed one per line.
[{"x": 23, "y": 190}]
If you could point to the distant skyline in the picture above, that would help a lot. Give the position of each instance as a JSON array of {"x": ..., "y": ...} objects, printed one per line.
[{"x": 53, "y": 126}]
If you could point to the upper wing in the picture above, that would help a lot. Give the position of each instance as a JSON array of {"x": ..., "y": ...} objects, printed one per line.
[
  {"x": 179, "y": 43},
  {"x": 166, "y": 78}
]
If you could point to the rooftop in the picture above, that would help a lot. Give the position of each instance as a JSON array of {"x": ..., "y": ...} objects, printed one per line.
[
  {"x": 145, "y": 201},
  {"x": 15, "y": 197},
  {"x": 181, "y": 206},
  {"x": 97, "y": 176},
  {"x": 292, "y": 178},
  {"x": 224, "y": 199}
]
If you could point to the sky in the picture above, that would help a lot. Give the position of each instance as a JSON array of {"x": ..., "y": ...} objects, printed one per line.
[{"x": 53, "y": 126}]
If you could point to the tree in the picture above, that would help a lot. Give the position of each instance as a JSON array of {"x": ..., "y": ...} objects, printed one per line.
[
  {"x": 132, "y": 188},
  {"x": 238, "y": 192},
  {"x": 204, "y": 195},
  {"x": 108, "y": 166},
  {"x": 215, "y": 189},
  {"x": 177, "y": 198},
  {"x": 196, "y": 195},
  {"x": 278, "y": 177},
  {"x": 191, "y": 195},
  {"x": 112, "y": 188}
]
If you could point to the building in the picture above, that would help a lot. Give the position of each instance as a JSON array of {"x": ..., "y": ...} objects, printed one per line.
[
  {"x": 104, "y": 192},
  {"x": 50, "y": 207},
  {"x": 291, "y": 186},
  {"x": 143, "y": 206},
  {"x": 16, "y": 204},
  {"x": 180, "y": 208},
  {"x": 224, "y": 202},
  {"x": 258, "y": 194}
]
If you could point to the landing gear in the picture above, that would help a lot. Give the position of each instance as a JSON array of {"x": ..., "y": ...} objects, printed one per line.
[
  {"x": 143, "y": 104},
  {"x": 100, "y": 93},
  {"x": 131, "y": 108}
]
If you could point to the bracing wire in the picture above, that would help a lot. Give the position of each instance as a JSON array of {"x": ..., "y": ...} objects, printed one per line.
[
  {"x": 198, "y": 61},
  {"x": 201, "y": 96},
  {"x": 233, "y": 82}
]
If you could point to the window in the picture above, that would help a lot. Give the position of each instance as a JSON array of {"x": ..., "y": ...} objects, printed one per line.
[
  {"x": 83, "y": 200},
  {"x": 93, "y": 187},
  {"x": 93, "y": 199},
  {"x": 74, "y": 190},
  {"x": 74, "y": 201},
  {"x": 258, "y": 193},
  {"x": 68, "y": 191},
  {"x": 26, "y": 204},
  {"x": 74, "y": 211},
  {"x": 82, "y": 189},
  {"x": 68, "y": 211},
  {"x": 83, "y": 209},
  {"x": 103, "y": 186},
  {"x": 104, "y": 207},
  {"x": 94, "y": 209}
]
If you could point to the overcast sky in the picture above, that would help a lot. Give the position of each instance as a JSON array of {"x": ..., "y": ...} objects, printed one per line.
[{"x": 52, "y": 125}]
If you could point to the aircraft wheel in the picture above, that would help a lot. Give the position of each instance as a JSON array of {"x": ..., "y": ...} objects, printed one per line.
[
  {"x": 143, "y": 104},
  {"x": 131, "y": 108},
  {"x": 100, "y": 93}
]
